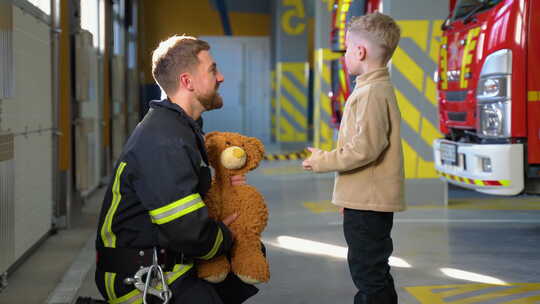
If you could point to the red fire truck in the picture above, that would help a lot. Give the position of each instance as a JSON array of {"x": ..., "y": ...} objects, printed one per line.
[
  {"x": 343, "y": 11},
  {"x": 489, "y": 96}
]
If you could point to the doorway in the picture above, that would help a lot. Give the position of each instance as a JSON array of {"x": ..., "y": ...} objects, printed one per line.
[{"x": 245, "y": 64}]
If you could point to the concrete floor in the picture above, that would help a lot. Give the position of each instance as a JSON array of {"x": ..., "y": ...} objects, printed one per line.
[{"x": 479, "y": 249}]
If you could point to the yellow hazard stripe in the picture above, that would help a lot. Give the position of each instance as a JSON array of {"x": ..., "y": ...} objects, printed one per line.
[
  {"x": 287, "y": 111},
  {"x": 107, "y": 235},
  {"x": 177, "y": 209},
  {"x": 215, "y": 248},
  {"x": 299, "y": 96},
  {"x": 298, "y": 69},
  {"x": 409, "y": 68},
  {"x": 286, "y": 130},
  {"x": 435, "y": 33},
  {"x": 289, "y": 108},
  {"x": 411, "y": 115},
  {"x": 288, "y": 156},
  {"x": 478, "y": 182}
]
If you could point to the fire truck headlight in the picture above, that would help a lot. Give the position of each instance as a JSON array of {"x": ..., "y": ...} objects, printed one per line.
[
  {"x": 493, "y": 88},
  {"x": 494, "y": 96},
  {"x": 493, "y": 120}
]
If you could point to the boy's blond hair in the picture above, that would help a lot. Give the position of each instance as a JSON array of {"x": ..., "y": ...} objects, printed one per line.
[{"x": 379, "y": 29}]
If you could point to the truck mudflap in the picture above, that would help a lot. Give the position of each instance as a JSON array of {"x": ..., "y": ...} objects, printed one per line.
[{"x": 493, "y": 169}]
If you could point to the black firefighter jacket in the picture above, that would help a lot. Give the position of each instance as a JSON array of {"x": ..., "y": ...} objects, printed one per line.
[{"x": 155, "y": 197}]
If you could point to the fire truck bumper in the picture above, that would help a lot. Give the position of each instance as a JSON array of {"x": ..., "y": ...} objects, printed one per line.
[{"x": 492, "y": 169}]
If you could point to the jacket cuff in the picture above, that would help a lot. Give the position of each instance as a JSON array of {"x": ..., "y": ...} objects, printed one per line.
[
  {"x": 317, "y": 162},
  {"x": 227, "y": 243}
]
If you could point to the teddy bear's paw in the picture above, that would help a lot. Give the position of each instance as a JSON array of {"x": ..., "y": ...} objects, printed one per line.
[
  {"x": 248, "y": 280},
  {"x": 216, "y": 278}
]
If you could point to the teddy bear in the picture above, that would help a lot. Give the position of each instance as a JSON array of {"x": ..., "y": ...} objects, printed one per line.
[{"x": 234, "y": 154}]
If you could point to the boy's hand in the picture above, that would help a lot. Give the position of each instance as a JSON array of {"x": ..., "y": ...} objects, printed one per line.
[
  {"x": 238, "y": 180},
  {"x": 307, "y": 163}
]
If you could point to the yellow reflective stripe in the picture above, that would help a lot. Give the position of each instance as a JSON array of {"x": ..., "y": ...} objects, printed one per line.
[
  {"x": 217, "y": 244},
  {"x": 109, "y": 284},
  {"x": 135, "y": 296},
  {"x": 533, "y": 95},
  {"x": 107, "y": 236},
  {"x": 444, "y": 63},
  {"x": 177, "y": 209},
  {"x": 468, "y": 56}
]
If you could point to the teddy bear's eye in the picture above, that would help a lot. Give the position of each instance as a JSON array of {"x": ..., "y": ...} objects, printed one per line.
[{"x": 228, "y": 143}]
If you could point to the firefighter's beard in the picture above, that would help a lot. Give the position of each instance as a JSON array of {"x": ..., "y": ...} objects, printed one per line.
[{"x": 211, "y": 101}]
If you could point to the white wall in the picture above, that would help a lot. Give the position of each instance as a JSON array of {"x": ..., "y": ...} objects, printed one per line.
[{"x": 30, "y": 110}]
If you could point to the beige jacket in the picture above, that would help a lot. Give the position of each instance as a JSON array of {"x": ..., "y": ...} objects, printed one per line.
[{"x": 369, "y": 157}]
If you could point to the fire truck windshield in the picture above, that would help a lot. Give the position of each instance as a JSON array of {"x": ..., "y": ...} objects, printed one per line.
[{"x": 467, "y": 8}]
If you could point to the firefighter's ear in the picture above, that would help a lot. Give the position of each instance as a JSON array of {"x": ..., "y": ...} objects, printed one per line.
[{"x": 185, "y": 81}]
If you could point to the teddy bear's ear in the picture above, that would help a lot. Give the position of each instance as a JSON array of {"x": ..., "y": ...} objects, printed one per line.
[
  {"x": 255, "y": 150},
  {"x": 210, "y": 139},
  {"x": 259, "y": 146},
  {"x": 212, "y": 147}
]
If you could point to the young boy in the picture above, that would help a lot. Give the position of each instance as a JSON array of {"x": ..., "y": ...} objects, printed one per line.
[{"x": 368, "y": 158}]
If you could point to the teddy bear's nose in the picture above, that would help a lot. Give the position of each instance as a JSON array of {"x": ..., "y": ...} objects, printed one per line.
[
  {"x": 233, "y": 157},
  {"x": 239, "y": 152}
]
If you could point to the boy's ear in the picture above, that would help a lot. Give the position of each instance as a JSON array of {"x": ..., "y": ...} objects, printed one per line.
[{"x": 362, "y": 52}]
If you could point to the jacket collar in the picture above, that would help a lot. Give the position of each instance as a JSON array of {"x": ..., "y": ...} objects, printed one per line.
[
  {"x": 166, "y": 103},
  {"x": 375, "y": 75}
]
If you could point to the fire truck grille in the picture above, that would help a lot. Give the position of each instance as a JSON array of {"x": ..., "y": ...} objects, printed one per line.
[
  {"x": 456, "y": 96},
  {"x": 457, "y": 116}
]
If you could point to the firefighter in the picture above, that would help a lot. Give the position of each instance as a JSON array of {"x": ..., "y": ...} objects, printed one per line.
[{"x": 155, "y": 199}]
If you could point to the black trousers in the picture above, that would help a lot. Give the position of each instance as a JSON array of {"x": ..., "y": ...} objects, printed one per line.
[
  {"x": 189, "y": 289},
  {"x": 368, "y": 237}
]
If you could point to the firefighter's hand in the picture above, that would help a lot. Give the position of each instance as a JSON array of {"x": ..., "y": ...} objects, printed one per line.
[
  {"x": 341, "y": 211},
  {"x": 238, "y": 180},
  {"x": 228, "y": 221}
]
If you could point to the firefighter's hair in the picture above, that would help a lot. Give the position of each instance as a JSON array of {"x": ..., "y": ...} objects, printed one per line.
[
  {"x": 174, "y": 56},
  {"x": 378, "y": 28}
]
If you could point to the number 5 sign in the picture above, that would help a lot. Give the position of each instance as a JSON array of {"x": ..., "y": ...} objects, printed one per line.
[{"x": 294, "y": 8}]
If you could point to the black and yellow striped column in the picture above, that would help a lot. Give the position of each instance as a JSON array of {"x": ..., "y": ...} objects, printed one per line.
[
  {"x": 291, "y": 101},
  {"x": 290, "y": 105},
  {"x": 411, "y": 69},
  {"x": 413, "y": 65}
]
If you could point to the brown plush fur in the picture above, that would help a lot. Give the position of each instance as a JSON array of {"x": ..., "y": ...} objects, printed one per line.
[{"x": 223, "y": 199}]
